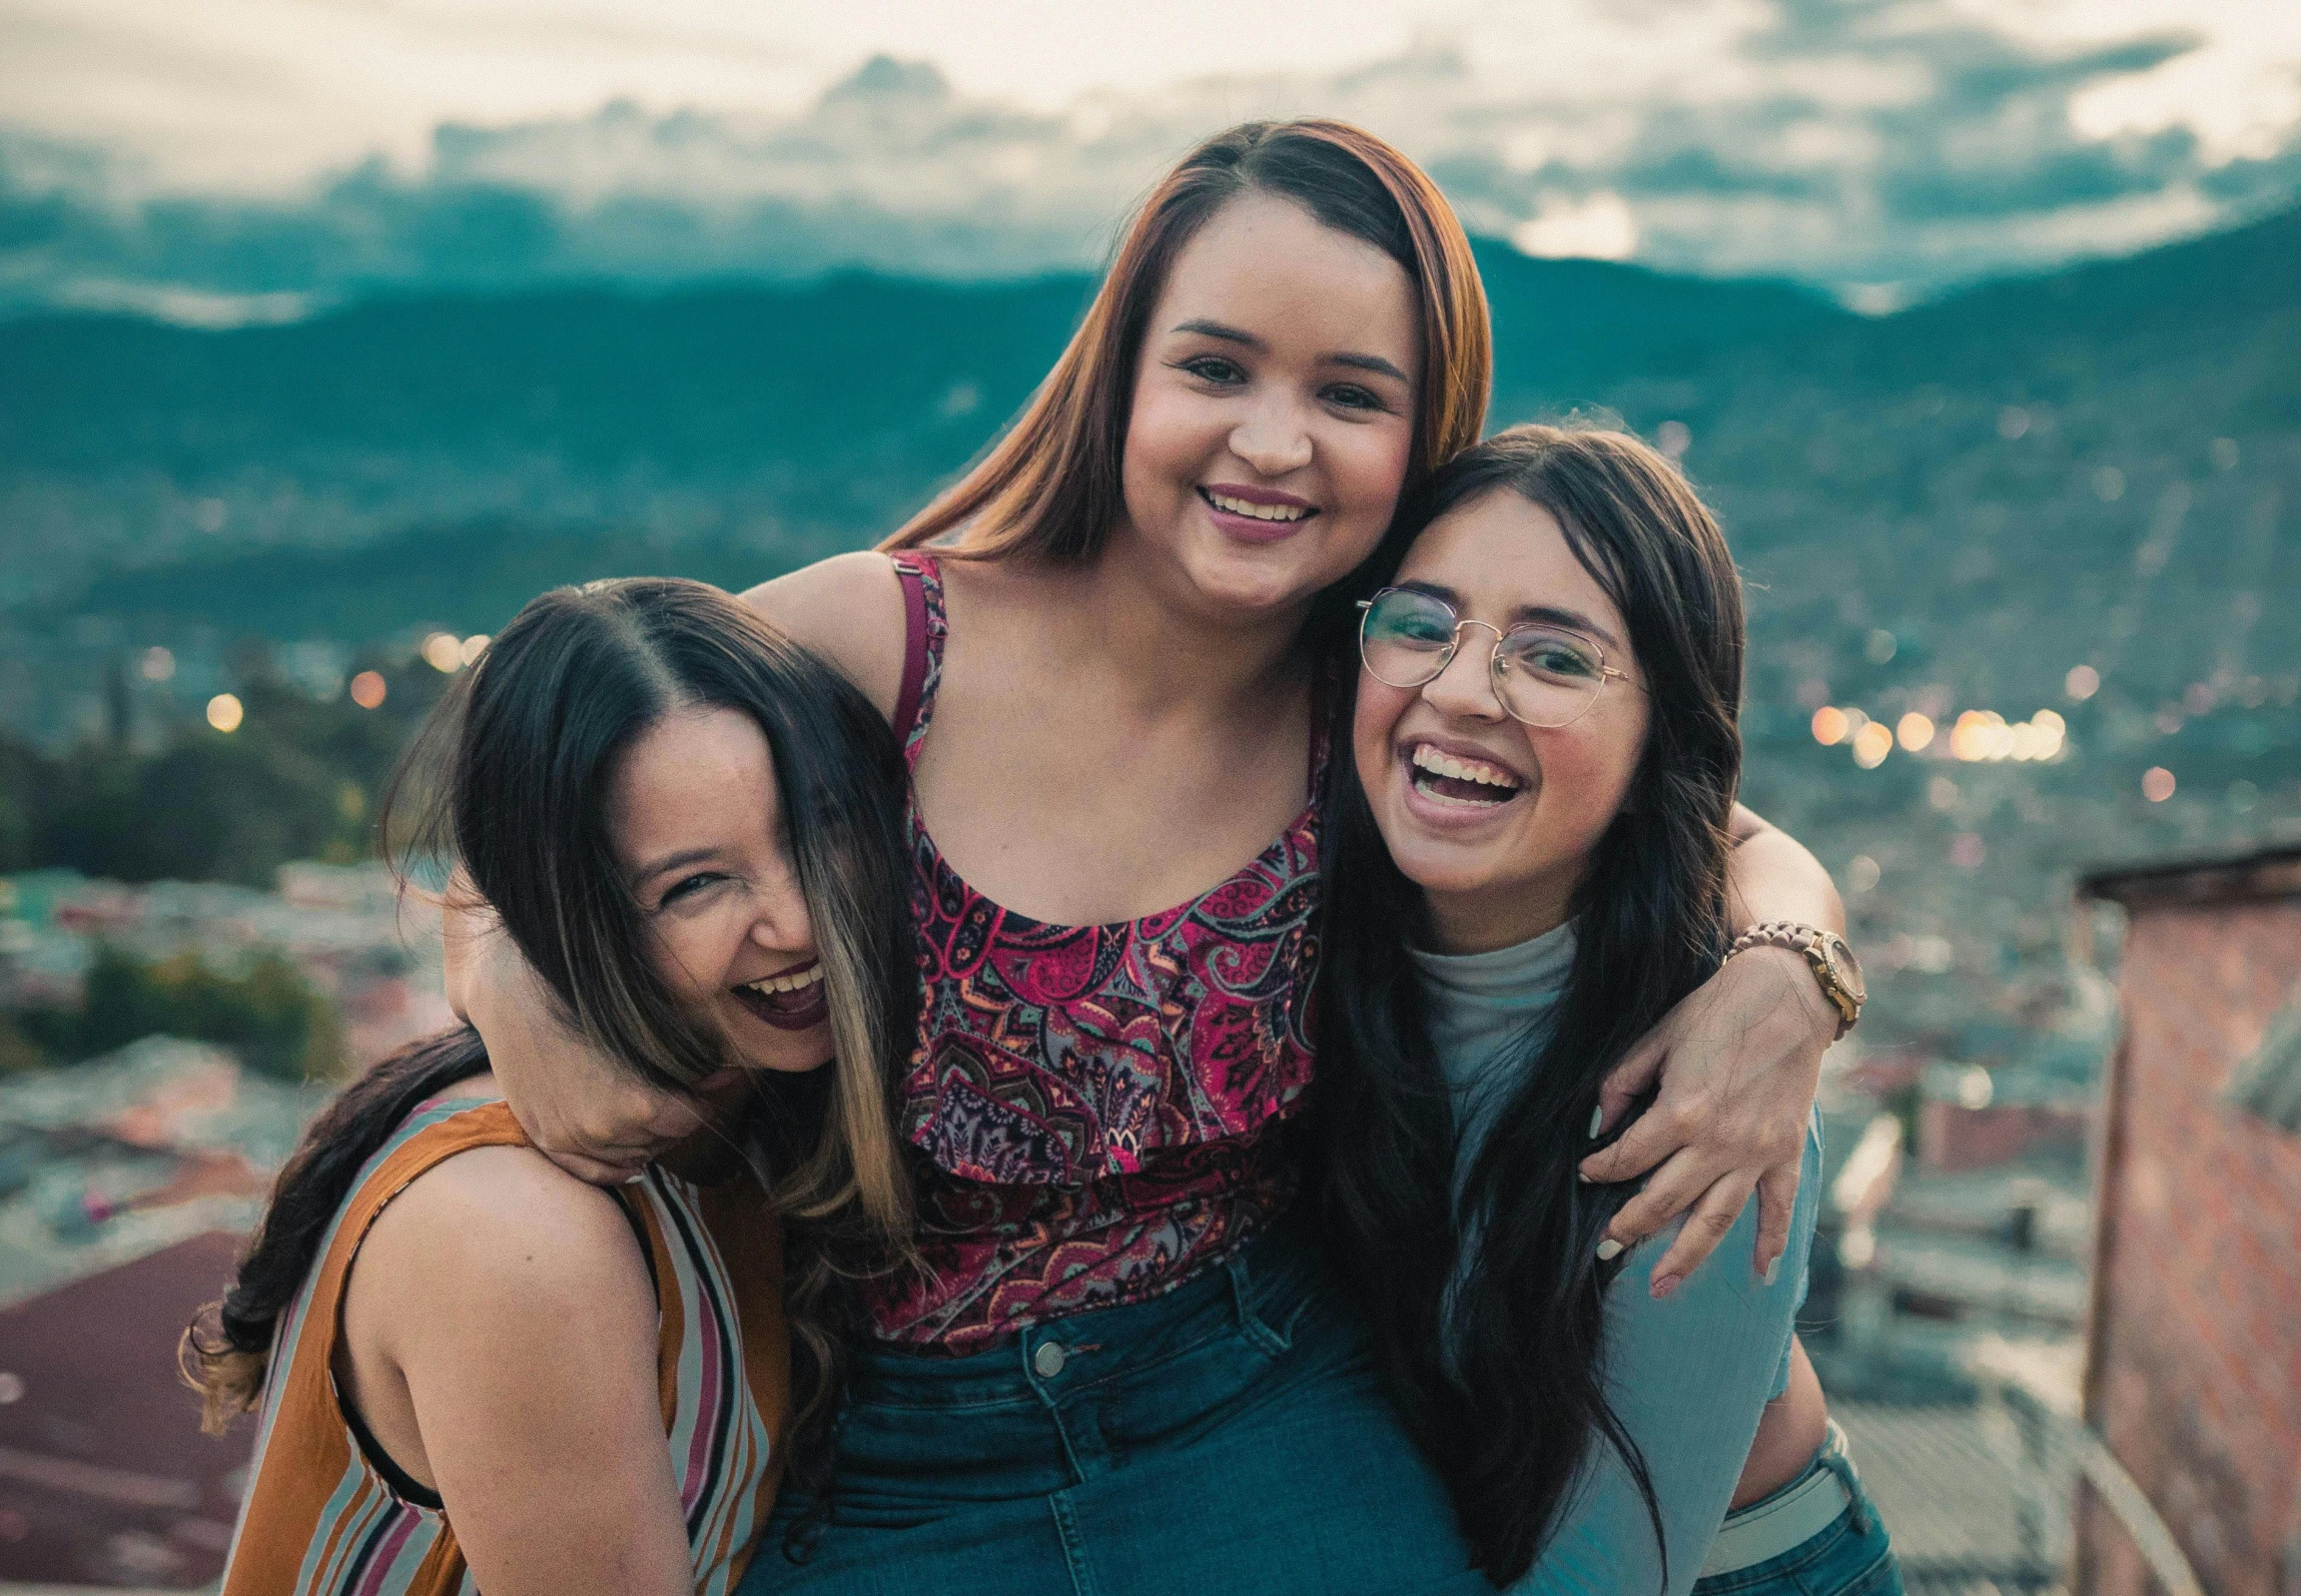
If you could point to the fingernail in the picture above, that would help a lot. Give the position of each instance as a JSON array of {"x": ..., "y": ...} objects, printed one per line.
[
  {"x": 634, "y": 1179},
  {"x": 1597, "y": 1121},
  {"x": 1584, "y": 1179},
  {"x": 1773, "y": 1271},
  {"x": 1609, "y": 1249},
  {"x": 1664, "y": 1286}
]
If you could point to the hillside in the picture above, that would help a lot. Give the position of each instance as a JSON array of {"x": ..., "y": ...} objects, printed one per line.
[{"x": 1940, "y": 509}]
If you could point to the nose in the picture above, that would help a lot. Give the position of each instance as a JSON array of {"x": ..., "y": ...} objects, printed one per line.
[
  {"x": 783, "y": 925},
  {"x": 1465, "y": 689},
  {"x": 1272, "y": 437}
]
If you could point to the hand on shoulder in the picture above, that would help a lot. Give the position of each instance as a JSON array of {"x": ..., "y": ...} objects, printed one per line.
[{"x": 849, "y": 609}]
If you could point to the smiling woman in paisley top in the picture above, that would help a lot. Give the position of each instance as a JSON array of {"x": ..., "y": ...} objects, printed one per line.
[{"x": 1105, "y": 649}]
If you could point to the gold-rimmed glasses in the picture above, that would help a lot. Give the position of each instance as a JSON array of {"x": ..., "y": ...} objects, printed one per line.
[{"x": 1543, "y": 675}]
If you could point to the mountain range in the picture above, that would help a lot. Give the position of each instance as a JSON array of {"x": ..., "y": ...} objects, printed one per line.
[{"x": 1943, "y": 508}]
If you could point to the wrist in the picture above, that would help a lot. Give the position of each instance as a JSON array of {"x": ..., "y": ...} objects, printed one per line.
[{"x": 1833, "y": 973}]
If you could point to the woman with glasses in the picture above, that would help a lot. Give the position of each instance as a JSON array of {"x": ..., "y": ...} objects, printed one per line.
[
  {"x": 1116, "y": 1367},
  {"x": 1527, "y": 867}
]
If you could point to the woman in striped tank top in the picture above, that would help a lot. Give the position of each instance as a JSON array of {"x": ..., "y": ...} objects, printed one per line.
[{"x": 475, "y": 1371}]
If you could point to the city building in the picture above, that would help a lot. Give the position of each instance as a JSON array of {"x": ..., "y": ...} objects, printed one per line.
[{"x": 2193, "y": 1368}]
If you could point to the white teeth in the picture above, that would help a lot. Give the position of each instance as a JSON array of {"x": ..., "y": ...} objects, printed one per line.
[
  {"x": 1444, "y": 764},
  {"x": 1260, "y": 512},
  {"x": 797, "y": 981}
]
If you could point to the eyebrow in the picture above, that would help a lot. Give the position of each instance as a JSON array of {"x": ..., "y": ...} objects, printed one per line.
[
  {"x": 1538, "y": 614},
  {"x": 1232, "y": 335}
]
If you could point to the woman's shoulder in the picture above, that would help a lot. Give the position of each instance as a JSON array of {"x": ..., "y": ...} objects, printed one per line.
[
  {"x": 849, "y": 609},
  {"x": 493, "y": 1226}
]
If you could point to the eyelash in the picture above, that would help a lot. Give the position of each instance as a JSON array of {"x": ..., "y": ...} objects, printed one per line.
[
  {"x": 1358, "y": 398},
  {"x": 681, "y": 889}
]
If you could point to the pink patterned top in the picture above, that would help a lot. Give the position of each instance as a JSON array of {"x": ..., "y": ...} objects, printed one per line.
[{"x": 1095, "y": 1104}]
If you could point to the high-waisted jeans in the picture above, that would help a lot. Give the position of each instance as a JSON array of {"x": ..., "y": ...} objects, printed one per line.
[{"x": 1229, "y": 1437}]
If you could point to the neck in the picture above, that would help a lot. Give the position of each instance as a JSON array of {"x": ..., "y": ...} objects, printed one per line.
[
  {"x": 1483, "y": 919},
  {"x": 1168, "y": 646}
]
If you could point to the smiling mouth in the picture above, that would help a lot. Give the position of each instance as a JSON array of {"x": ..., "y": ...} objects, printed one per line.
[
  {"x": 1458, "y": 782},
  {"x": 788, "y": 1000},
  {"x": 1280, "y": 514}
]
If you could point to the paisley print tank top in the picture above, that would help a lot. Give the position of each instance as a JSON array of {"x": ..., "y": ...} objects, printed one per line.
[{"x": 1094, "y": 1108}]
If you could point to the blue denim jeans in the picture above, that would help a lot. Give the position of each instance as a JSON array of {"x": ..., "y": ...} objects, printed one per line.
[
  {"x": 1228, "y": 1436},
  {"x": 1854, "y": 1556}
]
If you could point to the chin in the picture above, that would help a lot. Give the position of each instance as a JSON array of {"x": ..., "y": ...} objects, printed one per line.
[
  {"x": 1259, "y": 580},
  {"x": 759, "y": 1046}
]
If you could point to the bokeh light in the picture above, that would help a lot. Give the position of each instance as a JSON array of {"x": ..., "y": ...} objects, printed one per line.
[
  {"x": 156, "y": 665},
  {"x": 367, "y": 689},
  {"x": 225, "y": 712},
  {"x": 442, "y": 651},
  {"x": 1862, "y": 872},
  {"x": 2157, "y": 784},
  {"x": 1916, "y": 732},
  {"x": 1871, "y": 744},
  {"x": 472, "y": 649},
  {"x": 1831, "y": 725},
  {"x": 2082, "y": 682}
]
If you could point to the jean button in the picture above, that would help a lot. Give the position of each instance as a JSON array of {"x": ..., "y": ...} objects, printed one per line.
[{"x": 1049, "y": 1359}]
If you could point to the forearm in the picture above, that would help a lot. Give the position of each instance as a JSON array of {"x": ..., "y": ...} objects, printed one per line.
[
  {"x": 1690, "y": 1379},
  {"x": 1770, "y": 875}
]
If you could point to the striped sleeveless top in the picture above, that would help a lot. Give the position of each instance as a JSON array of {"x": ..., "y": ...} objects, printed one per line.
[{"x": 326, "y": 1516}]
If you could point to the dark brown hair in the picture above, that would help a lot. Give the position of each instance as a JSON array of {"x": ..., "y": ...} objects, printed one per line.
[
  {"x": 1494, "y": 1350},
  {"x": 1052, "y": 486}
]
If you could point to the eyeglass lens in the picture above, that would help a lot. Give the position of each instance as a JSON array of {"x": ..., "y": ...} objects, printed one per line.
[{"x": 1543, "y": 677}]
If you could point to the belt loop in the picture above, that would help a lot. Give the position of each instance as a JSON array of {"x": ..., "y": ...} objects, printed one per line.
[
  {"x": 1836, "y": 1459},
  {"x": 1242, "y": 1299}
]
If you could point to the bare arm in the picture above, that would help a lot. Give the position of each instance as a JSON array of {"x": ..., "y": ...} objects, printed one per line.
[
  {"x": 578, "y": 1109},
  {"x": 1739, "y": 1061},
  {"x": 506, "y": 1311}
]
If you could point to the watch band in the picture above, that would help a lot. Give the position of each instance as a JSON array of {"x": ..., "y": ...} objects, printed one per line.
[{"x": 1812, "y": 942}]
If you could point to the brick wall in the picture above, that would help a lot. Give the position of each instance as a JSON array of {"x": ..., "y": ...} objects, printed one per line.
[
  {"x": 2195, "y": 1374},
  {"x": 1952, "y": 1137}
]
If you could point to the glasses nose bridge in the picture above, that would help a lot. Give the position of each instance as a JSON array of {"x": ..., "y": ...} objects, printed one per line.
[
  {"x": 1454, "y": 652},
  {"x": 1493, "y": 654}
]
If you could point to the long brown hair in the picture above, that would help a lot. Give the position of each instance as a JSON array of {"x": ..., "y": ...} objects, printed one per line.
[
  {"x": 1050, "y": 489},
  {"x": 512, "y": 780}
]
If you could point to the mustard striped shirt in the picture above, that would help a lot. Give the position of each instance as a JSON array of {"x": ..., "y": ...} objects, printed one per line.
[{"x": 321, "y": 1518}]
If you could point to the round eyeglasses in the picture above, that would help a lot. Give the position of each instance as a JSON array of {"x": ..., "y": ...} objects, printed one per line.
[{"x": 1543, "y": 675}]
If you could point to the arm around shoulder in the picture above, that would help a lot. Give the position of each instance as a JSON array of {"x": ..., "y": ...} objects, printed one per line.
[
  {"x": 849, "y": 609},
  {"x": 514, "y": 1303},
  {"x": 1773, "y": 876}
]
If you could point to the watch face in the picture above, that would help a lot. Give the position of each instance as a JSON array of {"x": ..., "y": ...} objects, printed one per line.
[{"x": 1845, "y": 966}]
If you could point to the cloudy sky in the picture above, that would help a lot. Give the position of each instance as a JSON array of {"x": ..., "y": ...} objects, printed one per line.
[{"x": 246, "y": 158}]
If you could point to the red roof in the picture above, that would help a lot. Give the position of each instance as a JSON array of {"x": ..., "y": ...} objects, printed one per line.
[{"x": 105, "y": 1477}]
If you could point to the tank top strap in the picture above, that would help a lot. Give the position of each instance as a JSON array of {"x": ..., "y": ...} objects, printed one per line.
[{"x": 925, "y": 627}]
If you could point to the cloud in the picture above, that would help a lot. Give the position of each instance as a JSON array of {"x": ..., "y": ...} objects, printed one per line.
[{"x": 1881, "y": 148}]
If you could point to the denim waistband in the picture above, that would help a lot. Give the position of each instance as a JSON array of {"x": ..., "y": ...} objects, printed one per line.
[
  {"x": 1826, "y": 1490},
  {"x": 1258, "y": 1289}
]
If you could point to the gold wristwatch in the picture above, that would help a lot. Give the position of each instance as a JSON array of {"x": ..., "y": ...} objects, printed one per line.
[{"x": 1833, "y": 963}]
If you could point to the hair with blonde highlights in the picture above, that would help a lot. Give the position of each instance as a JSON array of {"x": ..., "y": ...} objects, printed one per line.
[
  {"x": 511, "y": 781},
  {"x": 1052, "y": 486}
]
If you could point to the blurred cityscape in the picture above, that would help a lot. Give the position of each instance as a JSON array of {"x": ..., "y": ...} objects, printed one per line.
[{"x": 2026, "y": 671}]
